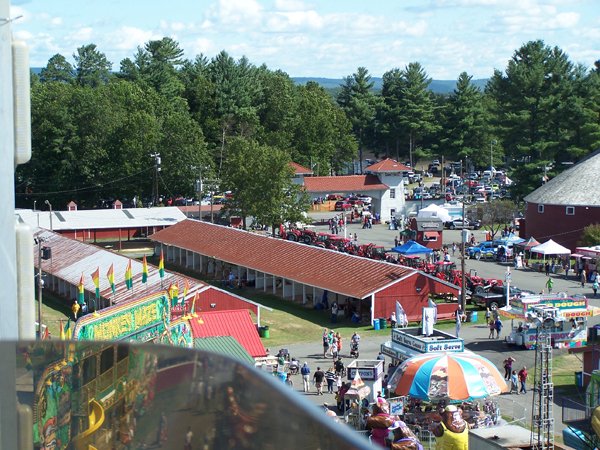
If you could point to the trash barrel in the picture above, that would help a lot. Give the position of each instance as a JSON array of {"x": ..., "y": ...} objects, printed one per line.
[
  {"x": 579, "y": 379},
  {"x": 382, "y": 323},
  {"x": 261, "y": 331},
  {"x": 376, "y": 324},
  {"x": 473, "y": 316},
  {"x": 469, "y": 315},
  {"x": 266, "y": 332}
]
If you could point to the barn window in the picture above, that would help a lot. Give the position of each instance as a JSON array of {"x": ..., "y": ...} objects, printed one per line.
[
  {"x": 570, "y": 211},
  {"x": 541, "y": 209},
  {"x": 392, "y": 193}
]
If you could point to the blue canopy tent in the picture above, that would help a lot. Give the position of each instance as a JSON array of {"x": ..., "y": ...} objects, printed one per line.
[{"x": 411, "y": 248}]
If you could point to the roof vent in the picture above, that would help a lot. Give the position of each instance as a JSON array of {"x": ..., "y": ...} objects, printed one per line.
[
  {"x": 72, "y": 206},
  {"x": 117, "y": 204}
]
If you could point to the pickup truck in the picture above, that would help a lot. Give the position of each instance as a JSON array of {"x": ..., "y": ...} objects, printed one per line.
[
  {"x": 485, "y": 249},
  {"x": 495, "y": 296}
]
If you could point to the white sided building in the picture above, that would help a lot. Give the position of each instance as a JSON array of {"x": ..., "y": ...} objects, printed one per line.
[{"x": 390, "y": 173}]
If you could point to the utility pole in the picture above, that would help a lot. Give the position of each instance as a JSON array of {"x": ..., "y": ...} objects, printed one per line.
[
  {"x": 463, "y": 235},
  {"x": 50, "y": 209},
  {"x": 157, "y": 169}
]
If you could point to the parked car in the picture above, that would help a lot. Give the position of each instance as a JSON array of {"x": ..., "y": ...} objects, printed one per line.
[
  {"x": 343, "y": 205},
  {"x": 487, "y": 249},
  {"x": 460, "y": 223},
  {"x": 494, "y": 297},
  {"x": 365, "y": 199}
]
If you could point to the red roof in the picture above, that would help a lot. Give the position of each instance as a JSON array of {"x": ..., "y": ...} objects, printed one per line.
[
  {"x": 237, "y": 324},
  {"x": 300, "y": 170},
  {"x": 312, "y": 266},
  {"x": 346, "y": 183},
  {"x": 387, "y": 165}
]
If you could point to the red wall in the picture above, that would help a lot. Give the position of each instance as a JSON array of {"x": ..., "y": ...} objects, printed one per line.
[
  {"x": 412, "y": 301},
  {"x": 554, "y": 223},
  {"x": 223, "y": 302},
  {"x": 92, "y": 235}
]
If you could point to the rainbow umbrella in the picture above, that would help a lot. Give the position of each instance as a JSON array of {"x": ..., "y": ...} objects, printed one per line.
[{"x": 453, "y": 376}]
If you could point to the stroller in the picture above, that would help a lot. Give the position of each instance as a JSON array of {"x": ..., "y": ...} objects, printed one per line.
[{"x": 354, "y": 350}]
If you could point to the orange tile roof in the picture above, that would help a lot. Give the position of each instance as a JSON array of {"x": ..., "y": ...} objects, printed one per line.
[
  {"x": 387, "y": 165},
  {"x": 346, "y": 183},
  {"x": 300, "y": 170},
  {"x": 345, "y": 274}
]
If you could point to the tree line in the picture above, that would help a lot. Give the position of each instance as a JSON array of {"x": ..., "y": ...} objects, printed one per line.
[{"x": 240, "y": 125}]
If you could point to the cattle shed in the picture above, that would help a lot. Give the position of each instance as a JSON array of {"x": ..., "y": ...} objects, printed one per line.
[
  {"x": 302, "y": 273},
  {"x": 118, "y": 224},
  {"x": 71, "y": 260}
]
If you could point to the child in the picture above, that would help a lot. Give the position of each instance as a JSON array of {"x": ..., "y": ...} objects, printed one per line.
[
  {"x": 514, "y": 382},
  {"x": 492, "y": 326}
]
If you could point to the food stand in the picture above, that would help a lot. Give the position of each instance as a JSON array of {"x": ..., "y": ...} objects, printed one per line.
[
  {"x": 570, "y": 328},
  {"x": 409, "y": 342},
  {"x": 370, "y": 372}
]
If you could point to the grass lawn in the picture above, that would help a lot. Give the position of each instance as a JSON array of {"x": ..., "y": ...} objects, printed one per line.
[{"x": 54, "y": 309}]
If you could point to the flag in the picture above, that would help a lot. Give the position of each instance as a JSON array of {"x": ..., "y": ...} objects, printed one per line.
[
  {"x": 186, "y": 288},
  {"x": 67, "y": 330},
  {"x": 401, "y": 315},
  {"x": 144, "y": 270},
  {"x": 81, "y": 299},
  {"x": 174, "y": 294},
  {"x": 193, "y": 307},
  {"x": 433, "y": 305},
  {"x": 161, "y": 265},
  {"x": 111, "y": 277},
  {"x": 62, "y": 330},
  {"x": 128, "y": 276},
  {"x": 96, "y": 280}
]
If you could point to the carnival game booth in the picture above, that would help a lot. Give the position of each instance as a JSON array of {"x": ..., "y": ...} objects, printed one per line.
[
  {"x": 570, "y": 329},
  {"x": 409, "y": 342}
]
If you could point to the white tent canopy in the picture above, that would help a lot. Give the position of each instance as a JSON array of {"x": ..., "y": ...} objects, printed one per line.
[
  {"x": 550, "y": 248},
  {"x": 434, "y": 210}
]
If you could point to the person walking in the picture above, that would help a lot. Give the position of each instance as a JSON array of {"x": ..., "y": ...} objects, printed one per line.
[
  {"x": 305, "y": 372},
  {"x": 498, "y": 327},
  {"x": 318, "y": 377},
  {"x": 508, "y": 367},
  {"x": 514, "y": 382},
  {"x": 549, "y": 285},
  {"x": 338, "y": 340},
  {"x": 326, "y": 342},
  {"x": 583, "y": 277},
  {"x": 330, "y": 378},
  {"x": 595, "y": 287},
  {"x": 523, "y": 380},
  {"x": 492, "y": 327},
  {"x": 458, "y": 323},
  {"x": 187, "y": 440}
]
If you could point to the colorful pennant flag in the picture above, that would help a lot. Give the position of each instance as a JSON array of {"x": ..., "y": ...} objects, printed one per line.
[
  {"x": 161, "y": 265},
  {"x": 81, "y": 289},
  {"x": 66, "y": 331},
  {"x": 186, "y": 288},
  {"x": 62, "y": 330},
  {"x": 128, "y": 276},
  {"x": 144, "y": 270},
  {"x": 96, "y": 280},
  {"x": 174, "y": 294},
  {"x": 193, "y": 307},
  {"x": 111, "y": 277}
]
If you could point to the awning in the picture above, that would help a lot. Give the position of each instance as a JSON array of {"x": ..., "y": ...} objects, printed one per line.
[
  {"x": 431, "y": 234},
  {"x": 396, "y": 351},
  {"x": 576, "y": 255}
]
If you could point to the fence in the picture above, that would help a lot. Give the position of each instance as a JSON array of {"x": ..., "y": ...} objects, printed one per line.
[
  {"x": 513, "y": 412},
  {"x": 574, "y": 412}
]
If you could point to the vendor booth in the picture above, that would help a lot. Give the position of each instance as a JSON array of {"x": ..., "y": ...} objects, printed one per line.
[
  {"x": 409, "y": 342},
  {"x": 371, "y": 374},
  {"x": 570, "y": 329}
]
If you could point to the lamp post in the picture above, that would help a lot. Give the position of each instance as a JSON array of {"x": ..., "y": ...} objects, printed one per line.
[
  {"x": 40, "y": 287},
  {"x": 50, "y": 206}
]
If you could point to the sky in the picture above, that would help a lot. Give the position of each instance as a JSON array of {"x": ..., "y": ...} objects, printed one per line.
[{"x": 318, "y": 38}]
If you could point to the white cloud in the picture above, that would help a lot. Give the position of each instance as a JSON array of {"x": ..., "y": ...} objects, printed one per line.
[
  {"x": 245, "y": 13},
  {"x": 289, "y": 5},
  {"x": 289, "y": 22},
  {"x": 129, "y": 38},
  {"x": 82, "y": 35}
]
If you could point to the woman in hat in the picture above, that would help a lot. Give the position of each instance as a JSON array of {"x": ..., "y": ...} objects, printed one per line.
[{"x": 380, "y": 421}]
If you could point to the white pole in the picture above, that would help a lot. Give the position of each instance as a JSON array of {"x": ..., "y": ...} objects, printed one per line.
[{"x": 507, "y": 278}]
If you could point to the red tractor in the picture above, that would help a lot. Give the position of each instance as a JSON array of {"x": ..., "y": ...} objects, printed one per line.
[{"x": 292, "y": 234}]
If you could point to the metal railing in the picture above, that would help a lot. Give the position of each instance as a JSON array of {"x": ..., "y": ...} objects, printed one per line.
[
  {"x": 512, "y": 411},
  {"x": 573, "y": 411}
]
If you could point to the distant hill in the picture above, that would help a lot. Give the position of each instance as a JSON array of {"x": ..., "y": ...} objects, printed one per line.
[{"x": 436, "y": 86}]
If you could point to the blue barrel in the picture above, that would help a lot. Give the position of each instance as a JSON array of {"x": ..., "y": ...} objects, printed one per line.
[
  {"x": 376, "y": 324},
  {"x": 282, "y": 376},
  {"x": 474, "y": 316}
]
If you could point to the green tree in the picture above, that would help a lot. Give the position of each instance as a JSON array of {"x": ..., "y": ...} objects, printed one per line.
[
  {"x": 58, "y": 69},
  {"x": 357, "y": 100},
  {"x": 91, "y": 66},
  {"x": 495, "y": 215},
  {"x": 466, "y": 124},
  {"x": 260, "y": 178},
  {"x": 590, "y": 235}
]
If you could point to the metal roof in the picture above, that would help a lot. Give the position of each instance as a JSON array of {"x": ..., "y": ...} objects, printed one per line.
[
  {"x": 237, "y": 324},
  {"x": 349, "y": 275},
  {"x": 346, "y": 183},
  {"x": 388, "y": 165},
  {"x": 71, "y": 258},
  {"x": 300, "y": 170},
  {"x": 102, "y": 218},
  {"x": 576, "y": 186},
  {"x": 224, "y": 345}
]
